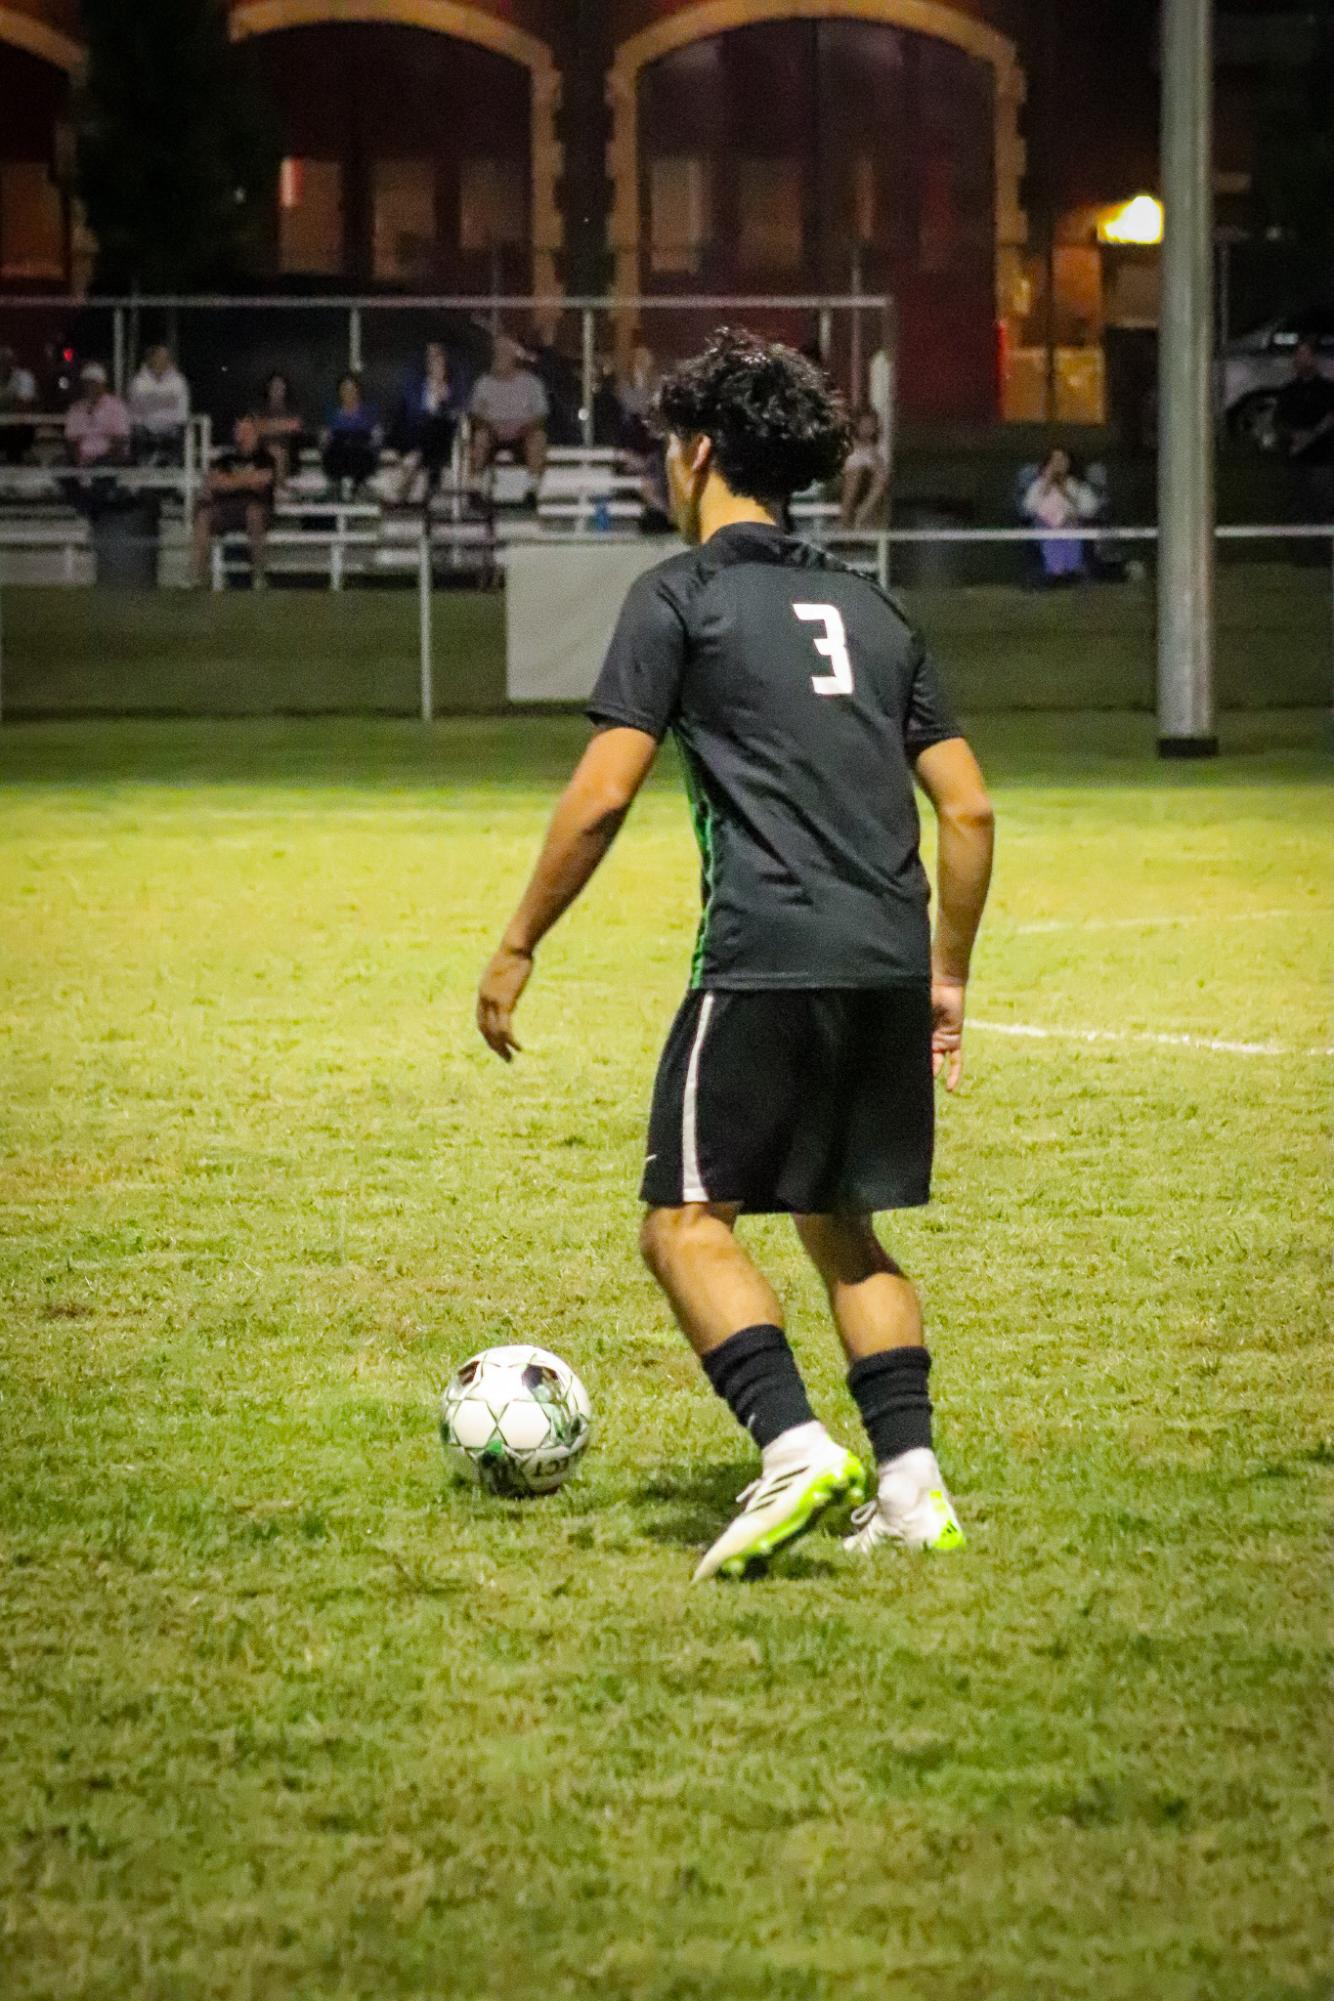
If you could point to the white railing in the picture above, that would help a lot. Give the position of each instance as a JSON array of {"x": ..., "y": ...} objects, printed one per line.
[
  {"x": 38, "y": 481},
  {"x": 420, "y": 560},
  {"x": 524, "y": 530},
  {"x": 883, "y": 540}
]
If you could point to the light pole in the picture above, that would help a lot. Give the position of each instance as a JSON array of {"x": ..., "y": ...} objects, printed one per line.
[{"x": 1186, "y": 716}]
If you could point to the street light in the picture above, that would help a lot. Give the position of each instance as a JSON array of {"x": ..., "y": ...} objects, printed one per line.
[{"x": 1137, "y": 221}]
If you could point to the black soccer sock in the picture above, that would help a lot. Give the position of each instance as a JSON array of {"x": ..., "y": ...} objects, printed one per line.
[
  {"x": 891, "y": 1394},
  {"x": 755, "y": 1373}
]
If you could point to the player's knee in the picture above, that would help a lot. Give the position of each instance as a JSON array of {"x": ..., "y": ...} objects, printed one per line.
[
  {"x": 845, "y": 1248},
  {"x": 660, "y": 1236},
  {"x": 666, "y": 1236},
  {"x": 826, "y": 1236}
]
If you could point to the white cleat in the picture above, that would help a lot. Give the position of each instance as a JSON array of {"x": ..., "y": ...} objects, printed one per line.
[
  {"x": 791, "y": 1494},
  {"x": 912, "y": 1508}
]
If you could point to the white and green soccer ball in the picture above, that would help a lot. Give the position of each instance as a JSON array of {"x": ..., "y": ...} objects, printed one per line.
[{"x": 515, "y": 1420}]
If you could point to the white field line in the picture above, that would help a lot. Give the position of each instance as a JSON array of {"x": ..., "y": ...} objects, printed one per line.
[
  {"x": 1137, "y": 923},
  {"x": 1164, "y": 1040}
]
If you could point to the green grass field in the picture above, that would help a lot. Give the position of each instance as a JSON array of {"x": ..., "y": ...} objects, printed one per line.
[
  {"x": 302, "y": 652},
  {"x": 285, "y": 1714}
]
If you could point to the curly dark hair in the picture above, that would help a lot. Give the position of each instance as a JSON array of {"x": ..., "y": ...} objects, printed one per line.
[{"x": 776, "y": 422}]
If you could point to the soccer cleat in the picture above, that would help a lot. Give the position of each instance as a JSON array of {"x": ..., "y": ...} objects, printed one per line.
[
  {"x": 788, "y": 1498},
  {"x": 912, "y": 1508}
]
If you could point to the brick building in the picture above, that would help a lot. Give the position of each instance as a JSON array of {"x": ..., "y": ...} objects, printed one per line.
[{"x": 951, "y": 152}]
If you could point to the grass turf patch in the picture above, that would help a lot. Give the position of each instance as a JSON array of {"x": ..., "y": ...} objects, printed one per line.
[
  {"x": 288, "y": 1713},
  {"x": 302, "y": 652}
]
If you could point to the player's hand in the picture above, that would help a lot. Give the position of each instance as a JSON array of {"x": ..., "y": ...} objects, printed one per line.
[
  {"x": 498, "y": 996},
  {"x": 947, "y": 1030}
]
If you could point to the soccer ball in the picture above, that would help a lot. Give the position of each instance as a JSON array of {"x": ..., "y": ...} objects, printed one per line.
[{"x": 516, "y": 1420}]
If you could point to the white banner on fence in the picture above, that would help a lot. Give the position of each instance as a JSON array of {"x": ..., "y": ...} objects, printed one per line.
[{"x": 561, "y": 607}]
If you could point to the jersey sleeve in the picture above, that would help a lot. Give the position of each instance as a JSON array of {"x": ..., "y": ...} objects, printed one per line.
[
  {"x": 639, "y": 687},
  {"x": 929, "y": 718}
]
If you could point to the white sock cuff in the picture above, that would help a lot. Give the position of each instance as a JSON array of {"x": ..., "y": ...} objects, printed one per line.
[
  {"x": 796, "y": 1442},
  {"x": 918, "y": 1463}
]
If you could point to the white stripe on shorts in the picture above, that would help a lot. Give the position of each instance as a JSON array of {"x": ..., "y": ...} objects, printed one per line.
[{"x": 692, "y": 1188}]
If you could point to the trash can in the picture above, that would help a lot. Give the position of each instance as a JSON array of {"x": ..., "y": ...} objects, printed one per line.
[{"x": 124, "y": 530}]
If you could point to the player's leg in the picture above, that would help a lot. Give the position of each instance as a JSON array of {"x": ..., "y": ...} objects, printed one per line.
[
  {"x": 875, "y": 1306},
  {"x": 732, "y": 1319},
  {"x": 713, "y": 1104},
  {"x": 711, "y": 1283},
  {"x": 731, "y": 1316},
  {"x": 870, "y": 1145},
  {"x": 879, "y": 1320}
]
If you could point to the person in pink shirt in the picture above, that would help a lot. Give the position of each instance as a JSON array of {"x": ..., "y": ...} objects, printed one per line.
[{"x": 97, "y": 426}]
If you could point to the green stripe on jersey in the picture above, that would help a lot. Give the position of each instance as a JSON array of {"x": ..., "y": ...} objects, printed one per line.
[{"x": 701, "y": 816}]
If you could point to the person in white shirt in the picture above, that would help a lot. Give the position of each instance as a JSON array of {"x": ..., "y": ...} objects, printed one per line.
[
  {"x": 865, "y": 475},
  {"x": 509, "y": 410},
  {"x": 159, "y": 402},
  {"x": 1058, "y": 499},
  {"x": 97, "y": 423},
  {"x": 18, "y": 398}
]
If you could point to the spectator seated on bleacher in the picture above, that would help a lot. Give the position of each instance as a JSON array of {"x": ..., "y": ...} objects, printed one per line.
[
  {"x": 351, "y": 439},
  {"x": 97, "y": 444},
  {"x": 97, "y": 424},
  {"x": 609, "y": 426},
  {"x": 280, "y": 424},
  {"x": 237, "y": 499},
  {"x": 428, "y": 421},
  {"x": 561, "y": 375},
  {"x": 509, "y": 409},
  {"x": 636, "y": 434},
  {"x": 18, "y": 396},
  {"x": 865, "y": 484},
  {"x": 636, "y": 393},
  {"x": 1055, "y": 499},
  {"x": 159, "y": 405}
]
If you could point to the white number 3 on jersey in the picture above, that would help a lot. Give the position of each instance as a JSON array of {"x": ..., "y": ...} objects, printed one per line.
[{"x": 833, "y": 644}]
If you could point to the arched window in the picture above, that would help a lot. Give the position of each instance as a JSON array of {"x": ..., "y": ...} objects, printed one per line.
[
  {"x": 440, "y": 169},
  {"x": 771, "y": 146}
]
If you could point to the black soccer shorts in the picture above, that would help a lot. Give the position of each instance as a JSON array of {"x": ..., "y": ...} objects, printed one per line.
[{"x": 795, "y": 1101}]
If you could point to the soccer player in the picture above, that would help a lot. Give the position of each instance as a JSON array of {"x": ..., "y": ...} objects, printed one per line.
[{"x": 797, "y": 1077}]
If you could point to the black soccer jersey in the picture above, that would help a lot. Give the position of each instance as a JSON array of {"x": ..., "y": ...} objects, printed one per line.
[{"x": 799, "y": 696}]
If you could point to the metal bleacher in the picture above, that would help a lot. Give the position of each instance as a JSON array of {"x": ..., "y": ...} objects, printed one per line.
[
  {"x": 333, "y": 538},
  {"x": 322, "y": 537}
]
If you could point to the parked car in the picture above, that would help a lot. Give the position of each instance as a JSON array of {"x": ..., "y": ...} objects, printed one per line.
[{"x": 1256, "y": 365}]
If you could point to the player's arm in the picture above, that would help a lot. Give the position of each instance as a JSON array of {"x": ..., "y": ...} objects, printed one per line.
[
  {"x": 952, "y": 780},
  {"x": 586, "y": 821}
]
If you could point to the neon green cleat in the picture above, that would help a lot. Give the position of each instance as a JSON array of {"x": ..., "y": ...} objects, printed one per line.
[
  {"x": 912, "y": 1508},
  {"x": 788, "y": 1499}
]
